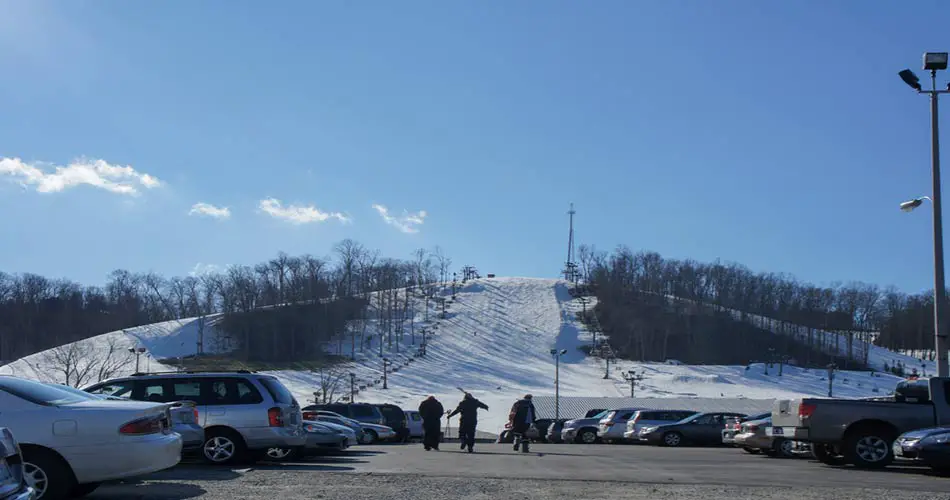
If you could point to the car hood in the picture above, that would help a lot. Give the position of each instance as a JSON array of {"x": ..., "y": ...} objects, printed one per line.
[
  {"x": 581, "y": 422},
  {"x": 377, "y": 427},
  {"x": 922, "y": 433}
]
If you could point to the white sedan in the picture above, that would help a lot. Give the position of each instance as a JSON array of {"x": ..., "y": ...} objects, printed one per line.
[{"x": 71, "y": 444}]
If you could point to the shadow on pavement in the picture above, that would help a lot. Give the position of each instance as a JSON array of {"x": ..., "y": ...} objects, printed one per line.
[
  {"x": 187, "y": 472},
  {"x": 152, "y": 491},
  {"x": 905, "y": 469},
  {"x": 306, "y": 467}
]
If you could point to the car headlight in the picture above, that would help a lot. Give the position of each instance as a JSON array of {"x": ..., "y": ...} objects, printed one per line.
[
  {"x": 647, "y": 430},
  {"x": 937, "y": 439},
  {"x": 317, "y": 429}
]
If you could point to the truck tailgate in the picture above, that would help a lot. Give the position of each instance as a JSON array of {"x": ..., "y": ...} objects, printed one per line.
[{"x": 785, "y": 413}]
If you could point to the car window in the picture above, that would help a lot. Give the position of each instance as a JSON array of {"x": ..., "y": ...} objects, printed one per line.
[
  {"x": 38, "y": 393},
  {"x": 187, "y": 390},
  {"x": 229, "y": 391},
  {"x": 117, "y": 389},
  {"x": 363, "y": 411},
  {"x": 340, "y": 409},
  {"x": 277, "y": 390},
  {"x": 151, "y": 390},
  {"x": 626, "y": 416}
]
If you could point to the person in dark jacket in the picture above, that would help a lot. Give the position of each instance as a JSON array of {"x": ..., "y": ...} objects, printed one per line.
[
  {"x": 431, "y": 411},
  {"x": 521, "y": 417},
  {"x": 468, "y": 408}
]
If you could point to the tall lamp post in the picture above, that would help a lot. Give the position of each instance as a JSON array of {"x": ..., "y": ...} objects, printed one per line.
[
  {"x": 933, "y": 62},
  {"x": 138, "y": 353},
  {"x": 352, "y": 388},
  {"x": 386, "y": 364},
  {"x": 557, "y": 381}
]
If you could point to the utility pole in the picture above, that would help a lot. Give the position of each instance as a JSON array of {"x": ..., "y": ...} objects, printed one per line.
[
  {"x": 831, "y": 377},
  {"x": 557, "y": 381},
  {"x": 352, "y": 388},
  {"x": 634, "y": 378},
  {"x": 386, "y": 364},
  {"x": 570, "y": 267}
]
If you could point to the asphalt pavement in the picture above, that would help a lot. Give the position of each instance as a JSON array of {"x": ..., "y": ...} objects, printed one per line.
[{"x": 548, "y": 472}]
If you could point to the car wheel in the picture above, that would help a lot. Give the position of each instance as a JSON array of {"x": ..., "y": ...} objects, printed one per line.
[
  {"x": 826, "y": 454},
  {"x": 587, "y": 437},
  {"x": 751, "y": 451},
  {"x": 672, "y": 439},
  {"x": 784, "y": 448},
  {"x": 370, "y": 437},
  {"x": 870, "y": 448},
  {"x": 50, "y": 477},
  {"x": 81, "y": 490},
  {"x": 222, "y": 447}
]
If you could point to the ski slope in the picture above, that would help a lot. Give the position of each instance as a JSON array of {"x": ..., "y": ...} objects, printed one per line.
[{"x": 495, "y": 342}]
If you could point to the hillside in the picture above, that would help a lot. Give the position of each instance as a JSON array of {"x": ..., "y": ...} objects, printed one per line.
[{"x": 495, "y": 342}]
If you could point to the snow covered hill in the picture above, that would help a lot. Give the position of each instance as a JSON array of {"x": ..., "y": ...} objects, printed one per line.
[{"x": 494, "y": 341}]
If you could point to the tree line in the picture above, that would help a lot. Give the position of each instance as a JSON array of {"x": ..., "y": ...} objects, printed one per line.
[
  {"x": 38, "y": 313},
  {"x": 856, "y": 310}
]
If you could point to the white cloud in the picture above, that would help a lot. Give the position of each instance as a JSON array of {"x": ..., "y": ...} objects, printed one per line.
[
  {"x": 116, "y": 179},
  {"x": 210, "y": 210},
  {"x": 407, "y": 222},
  {"x": 298, "y": 214}
]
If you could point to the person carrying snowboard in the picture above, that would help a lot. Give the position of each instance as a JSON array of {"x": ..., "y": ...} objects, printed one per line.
[
  {"x": 431, "y": 411},
  {"x": 468, "y": 407},
  {"x": 522, "y": 417}
]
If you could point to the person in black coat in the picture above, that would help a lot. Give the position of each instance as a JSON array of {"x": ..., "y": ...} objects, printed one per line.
[
  {"x": 431, "y": 411},
  {"x": 522, "y": 416},
  {"x": 468, "y": 408}
]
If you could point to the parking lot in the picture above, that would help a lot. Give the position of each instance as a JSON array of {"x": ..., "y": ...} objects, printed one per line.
[{"x": 550, "y": 471}]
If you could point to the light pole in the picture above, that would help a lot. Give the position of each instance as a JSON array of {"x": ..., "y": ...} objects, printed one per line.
[
  {"x": 831, "y": 376},
  {"x": 557, "y": 381},
  {"x": 386, "y": 364},
  {"x": 138, "y": 352},
  {"x": 352, "y": 388},
  {"x": 933, "y": 62}
]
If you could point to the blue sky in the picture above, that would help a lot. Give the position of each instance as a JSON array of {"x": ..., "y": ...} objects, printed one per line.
[{"x": 775, "y": 134}]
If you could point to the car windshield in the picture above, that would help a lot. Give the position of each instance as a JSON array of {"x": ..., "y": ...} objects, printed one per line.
[
  {"x": 690, "y": 418},
  {"x": 602, "y": 414},
  {"x": 38, "y": 393}
]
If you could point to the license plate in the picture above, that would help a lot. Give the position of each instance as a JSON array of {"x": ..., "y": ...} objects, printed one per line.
[{"x": 778, "y": 431}]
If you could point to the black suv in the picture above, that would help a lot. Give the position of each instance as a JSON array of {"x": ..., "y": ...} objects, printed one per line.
[
  {"x": 396, "y": 419},
  {"x": 361, "y": 412}
]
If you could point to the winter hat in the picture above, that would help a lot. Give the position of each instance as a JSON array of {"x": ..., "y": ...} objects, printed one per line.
[{"x": 527, "y": 396}]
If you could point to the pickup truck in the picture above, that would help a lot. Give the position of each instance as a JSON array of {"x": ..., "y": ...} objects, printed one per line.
[{"x": 862, "y": 431}]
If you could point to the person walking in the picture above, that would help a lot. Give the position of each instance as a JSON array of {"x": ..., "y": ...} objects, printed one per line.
[
  {"x": 468, "y": 408},
  {"x": 522, "y": 416},
  {"x": 431, "y": 411}
]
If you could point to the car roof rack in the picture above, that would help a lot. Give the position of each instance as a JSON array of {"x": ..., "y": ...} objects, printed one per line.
[{"x": 188, "y": 372}]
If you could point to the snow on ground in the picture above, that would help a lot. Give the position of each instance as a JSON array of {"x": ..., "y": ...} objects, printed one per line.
[
  {"x": 104, "y": 356},
  {"x": 494, "y": 342}
]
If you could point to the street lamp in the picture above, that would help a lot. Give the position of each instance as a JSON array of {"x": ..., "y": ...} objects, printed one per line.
[
  {"x": 933, "y": 62},
  {"x": 137, "y": 352},
  {"x": 386, "y": 364},
  {"x": 557, "y": 381},
  {"x": 633, "y": 377},
  {"x": 831, "y": 376},
  {"x": 352, "y": 388}
]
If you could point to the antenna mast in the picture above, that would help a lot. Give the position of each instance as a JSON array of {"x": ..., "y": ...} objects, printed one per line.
[{"x": 570, "y": 267}]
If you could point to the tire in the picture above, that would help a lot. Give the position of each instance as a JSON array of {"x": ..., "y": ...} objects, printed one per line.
[
  {"x": 672, "y": 439},
  {"x": 784, "y": 448},
  {"x": 81, "y": 490},
  {"x": 370, "y": 437},
  {"x": 223, "y": 447},
  {"x": 751, "y": 451},
  {"x": 48, "y": 474},
  {"x": 826, "y": 454},
  {"x": 870, "y": 447},
  {"x": 587, "y": 436}
]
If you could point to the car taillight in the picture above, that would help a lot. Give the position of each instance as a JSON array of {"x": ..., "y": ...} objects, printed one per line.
[
  {"x": 309, "y": 415},
  {"x": 142, "y": 426},
  {"x": 275, "y": 417},
  {"x": 195, "y": 411},
  {"x": 805, "y": 410},
  {"x": 752, "y": 428},
  {"x": 608, "y": 424}
]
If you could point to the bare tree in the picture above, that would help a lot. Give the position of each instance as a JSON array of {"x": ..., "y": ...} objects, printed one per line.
[
  {"x": 444, "y": 263},
  {"x": 329, "y": 382}
]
